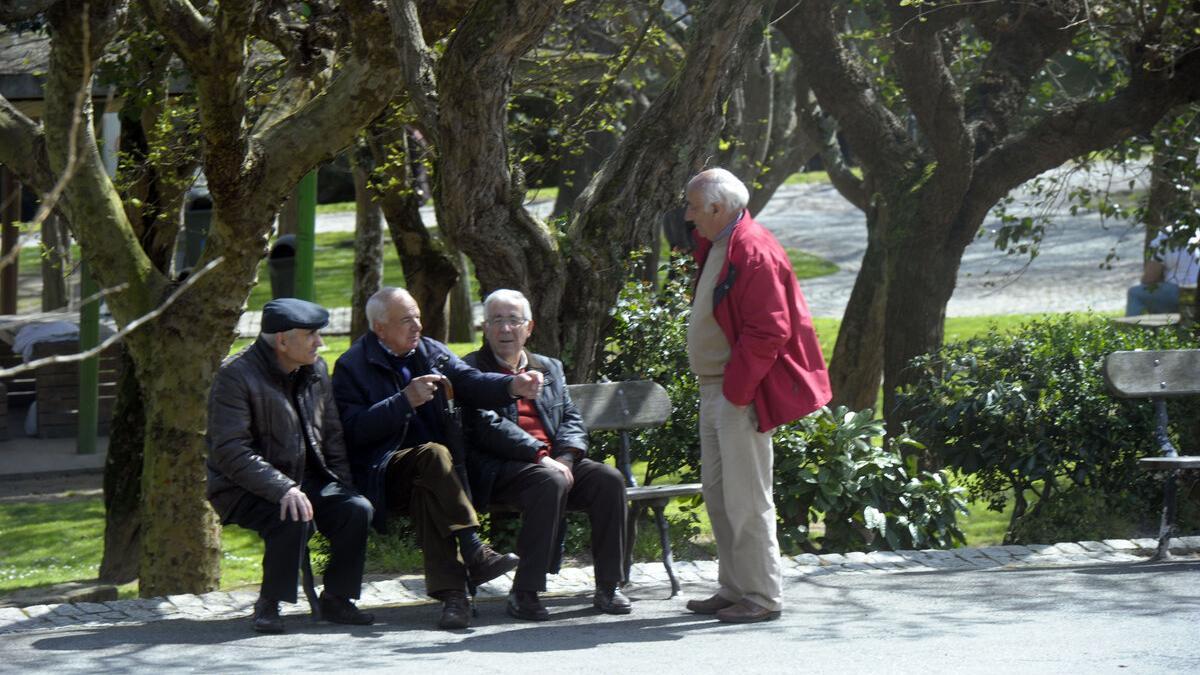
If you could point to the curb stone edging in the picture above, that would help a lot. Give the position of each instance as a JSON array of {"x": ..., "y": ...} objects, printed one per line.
[{"x": 410, "y": 590}]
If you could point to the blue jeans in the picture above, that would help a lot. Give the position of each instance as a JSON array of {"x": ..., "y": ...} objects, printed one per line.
[{"x": 1157, "y": 298}]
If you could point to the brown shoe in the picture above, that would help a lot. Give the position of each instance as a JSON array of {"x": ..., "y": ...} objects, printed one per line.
[
  {"x": 709, "y": 605},
  {"x": 746, "y": 612},
  {"x": 456, "y": 611},
  {"x": 488, "y": 565}
]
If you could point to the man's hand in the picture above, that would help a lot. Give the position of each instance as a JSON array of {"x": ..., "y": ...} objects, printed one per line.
[
  {"x": 295, "y": 506},
  {"x": 526, "y": 385},
  {"x": 551, "y": 463},
  {"x": 421, "y": 389}
]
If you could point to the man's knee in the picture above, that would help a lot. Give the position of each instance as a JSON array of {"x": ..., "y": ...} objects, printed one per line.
[{"x": 434, "y": 457}]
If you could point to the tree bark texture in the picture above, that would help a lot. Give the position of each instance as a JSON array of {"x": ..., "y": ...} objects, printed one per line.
[
  {"x": 428, "y": 262},
  {"x": 368, "y": 241},
  {"x": 478, "y": 195},
  {"x": 123, "y": 480},
  {"x": 56, "y": 255}
]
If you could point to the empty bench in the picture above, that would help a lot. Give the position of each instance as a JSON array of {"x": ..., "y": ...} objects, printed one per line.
[
  {"x": 625, "y": 407},
  {"x": 1159, "y": 375}
]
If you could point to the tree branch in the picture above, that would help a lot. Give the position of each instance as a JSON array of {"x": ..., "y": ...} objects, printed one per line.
[
  {"x": 189, "y": 32},
  {"x": 843, "y": 89},
  {"x": 933, "y": 95},
  {"x": 1085, "y": 128},
  {"x": 331, "y": 120},
  {"x": 416, "y": 63}
]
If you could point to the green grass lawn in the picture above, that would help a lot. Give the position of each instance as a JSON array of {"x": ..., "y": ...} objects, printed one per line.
[{"x": 51, "y": 542}]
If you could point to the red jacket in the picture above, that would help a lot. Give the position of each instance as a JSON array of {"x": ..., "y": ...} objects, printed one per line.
[{"x": 775, "y": 361}]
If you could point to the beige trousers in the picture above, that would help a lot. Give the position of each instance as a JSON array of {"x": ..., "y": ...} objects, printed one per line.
[{"x": 736, "y": 466}]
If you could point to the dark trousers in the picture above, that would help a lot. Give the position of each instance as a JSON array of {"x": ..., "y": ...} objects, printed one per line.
[
  {"x": 421, "y": 483},
  {"x": 543, "y": 498},
  {"x": 340, "y": 513}
]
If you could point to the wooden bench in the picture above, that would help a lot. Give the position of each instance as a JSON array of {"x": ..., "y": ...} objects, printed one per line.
[
  {"x": 56, "y": 388},
  {"x": 625, "y": 407},
  {"x": 1158, "y": 375}
]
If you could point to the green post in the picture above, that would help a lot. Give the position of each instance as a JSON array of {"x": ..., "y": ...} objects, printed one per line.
[
  {"x": 306, "y": 241},
  {"x": 89, "y": 369}
]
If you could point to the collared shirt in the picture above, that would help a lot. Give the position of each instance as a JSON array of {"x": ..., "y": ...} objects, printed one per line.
[{"x": 728, "y": 229}]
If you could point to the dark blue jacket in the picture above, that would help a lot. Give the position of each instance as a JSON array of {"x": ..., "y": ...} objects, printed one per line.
[
  {"x": 375, "y": 413},
  {"x": 496, "y": 437}
]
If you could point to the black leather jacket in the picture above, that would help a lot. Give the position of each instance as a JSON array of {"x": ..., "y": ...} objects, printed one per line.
[
  {"x": 254, "y": 434},
  {"x": 495, "y": 436}
]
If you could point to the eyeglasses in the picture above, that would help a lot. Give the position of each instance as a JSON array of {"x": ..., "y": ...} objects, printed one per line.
[{"x": 507, "y": 322}]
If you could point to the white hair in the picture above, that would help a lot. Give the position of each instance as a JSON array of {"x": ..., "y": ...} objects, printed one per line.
[
  {"x": 377, "y": 304},
  {"x": 508, "y": 295},
  {"x": 719, "y": 186},
  {"x": 269, "y": 338}
]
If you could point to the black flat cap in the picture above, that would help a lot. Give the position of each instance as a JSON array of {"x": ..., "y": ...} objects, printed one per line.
[{"x": 283, "y": 314}]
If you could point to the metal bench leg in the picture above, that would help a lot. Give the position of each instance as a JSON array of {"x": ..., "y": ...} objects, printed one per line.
[
  {"x": 310, "y": 589},
  {"x": 1167, "y": 527},
  {"x": 636, "y": 509},
  {"x": 660, "y": 517}
]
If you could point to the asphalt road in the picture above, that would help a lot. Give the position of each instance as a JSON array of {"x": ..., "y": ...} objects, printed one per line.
[{"x": 1127, "y": 618}]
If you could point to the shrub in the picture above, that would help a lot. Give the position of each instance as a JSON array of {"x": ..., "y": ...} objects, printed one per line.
[
  {"x": 1030, "y": 414},
  {"x": 831, "y": 465}
]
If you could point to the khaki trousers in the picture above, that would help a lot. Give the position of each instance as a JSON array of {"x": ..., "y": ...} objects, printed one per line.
[{"x": 736, "y": 467}]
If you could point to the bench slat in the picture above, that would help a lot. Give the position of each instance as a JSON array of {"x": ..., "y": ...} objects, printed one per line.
[
  {"x": 621, "y": 405},
  {"x": 1165, "y": 374},
  {"x": 1169, "y": 463},
  {"x": 662, "y": 491}
]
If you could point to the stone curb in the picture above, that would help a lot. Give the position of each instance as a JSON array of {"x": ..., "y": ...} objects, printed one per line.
[{"x": 648, "y": 576}]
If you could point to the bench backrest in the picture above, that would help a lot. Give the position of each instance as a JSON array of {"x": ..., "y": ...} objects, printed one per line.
[
  {"x": 621, "y": 406},
  {"x": 1158, "y": 374}
]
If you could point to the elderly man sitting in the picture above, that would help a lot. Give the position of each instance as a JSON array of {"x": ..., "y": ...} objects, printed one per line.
[
  {"x": 530, "y": 454},
  {"x": 276, "y": 462}
]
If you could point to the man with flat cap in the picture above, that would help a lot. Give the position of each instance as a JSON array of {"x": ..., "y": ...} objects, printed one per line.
[{"x": 277, "y": 463}]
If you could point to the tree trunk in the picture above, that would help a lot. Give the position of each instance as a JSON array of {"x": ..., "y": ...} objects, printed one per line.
[
  {"x": 857, "y": 361},
  {"x": 368, "y": 242},
  {"x": 56, "y": 253},
  {"x": 429, "y": 269},
  {"x": 922, "y": 273},
  {"x": 462, "y": 305},
  {"x": 123, "y": 480}
]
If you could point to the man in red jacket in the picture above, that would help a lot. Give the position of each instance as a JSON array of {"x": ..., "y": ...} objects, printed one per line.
[{"x": 752, "y": 346}]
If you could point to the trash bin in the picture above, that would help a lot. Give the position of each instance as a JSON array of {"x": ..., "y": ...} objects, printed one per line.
[
  {"x": 196, "y": 223},
  {"x": 281, "y": 263}
]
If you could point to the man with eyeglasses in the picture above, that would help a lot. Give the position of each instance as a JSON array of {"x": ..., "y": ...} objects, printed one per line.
[
  {"x": 531, "y": 454},
  {"x": 395, "y": 389}
]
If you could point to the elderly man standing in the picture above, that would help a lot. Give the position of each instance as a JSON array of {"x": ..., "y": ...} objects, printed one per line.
[
  {"x": 393, "y": 388},
  {"x": 531, "y": 454},
  {"x": 276, "y": 462},
  {"x": 752, "y": 346}
]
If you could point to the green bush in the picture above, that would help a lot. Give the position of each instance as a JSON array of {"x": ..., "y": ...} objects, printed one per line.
[
  {"x": 1028, "y": 413},
  {"x": 826, "y": 465},
  {"x": 831, "y": 466}
]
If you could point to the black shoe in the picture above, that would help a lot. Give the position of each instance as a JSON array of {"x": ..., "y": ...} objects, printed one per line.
[
  {"x": 341, "y": 610},
  {"x": 525, "y": 605},
  {"x": 488, "y": 565},
  {"x": 610, "y": 600},
  {"x": 266, "y": 617},
  {"x": 456, "y": 610}
]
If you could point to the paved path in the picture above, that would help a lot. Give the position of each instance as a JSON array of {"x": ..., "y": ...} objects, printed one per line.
[
  {"x": 1092, "y": 605},
  {"x": 1069, "y": 274}
]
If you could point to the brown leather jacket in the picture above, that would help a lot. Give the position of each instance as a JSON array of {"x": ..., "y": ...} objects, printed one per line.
[{"x": 254, "y": 434}]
